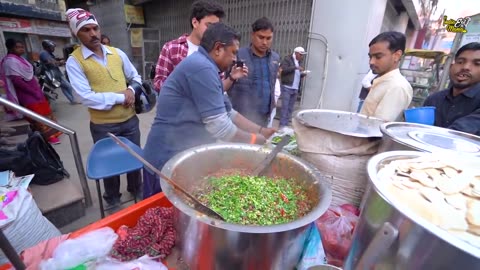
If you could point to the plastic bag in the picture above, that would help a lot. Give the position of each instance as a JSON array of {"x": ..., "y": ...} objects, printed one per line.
[
  {"x": 73, "y": 252},
  {"x": 22, "y": 221},
  {"x": 313, "y": 252},
  {"x": 336, "y": 227},
  {"x": 291, "y": 147},
  {"x": 142, "y": 263}
]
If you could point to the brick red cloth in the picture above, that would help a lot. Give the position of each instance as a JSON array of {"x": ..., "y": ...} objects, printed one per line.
[
  {"x": 153, "y": 235},
  {"x": 173, "y": 52}
]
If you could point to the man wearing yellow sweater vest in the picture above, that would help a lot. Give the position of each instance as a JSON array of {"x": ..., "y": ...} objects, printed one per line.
[{"x": 100, "y": 74}]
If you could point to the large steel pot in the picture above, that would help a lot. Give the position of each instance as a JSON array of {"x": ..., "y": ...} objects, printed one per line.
[
  {"x": 207, "y": 243},
  {"x": 390, "y": 236}
]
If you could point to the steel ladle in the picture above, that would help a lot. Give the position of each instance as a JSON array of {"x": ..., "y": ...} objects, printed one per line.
[
  {"x": 261, "y": 169},
  {"x": 197, "y": 205}
]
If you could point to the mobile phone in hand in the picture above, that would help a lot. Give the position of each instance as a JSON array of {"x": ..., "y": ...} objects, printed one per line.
[{"x": 239, "y": 63}]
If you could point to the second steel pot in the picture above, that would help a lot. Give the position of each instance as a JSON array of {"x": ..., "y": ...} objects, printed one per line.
[
  {"x": 425, "y": 138},
  {"x": 389, "y": 236}
]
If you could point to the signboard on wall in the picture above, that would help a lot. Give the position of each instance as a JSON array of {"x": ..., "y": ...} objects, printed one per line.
[
  {"x": 50, "y": 28},
  {"x": 473, "y": 31},
  {"x": 470, "y": 37},
  {"x": 16, "y": 25},
  {"x": 136, "y": 37},
  {"x": 134, "y": 14},
  {"x": 34, "y": 26}
]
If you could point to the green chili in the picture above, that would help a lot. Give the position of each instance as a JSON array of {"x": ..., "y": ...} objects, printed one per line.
[{"x": 251, "y": 200}]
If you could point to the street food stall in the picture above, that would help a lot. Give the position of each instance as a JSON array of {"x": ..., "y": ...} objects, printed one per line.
[
  {"x": 422, "y": 68},
  {"x": 418, "y": 188}
]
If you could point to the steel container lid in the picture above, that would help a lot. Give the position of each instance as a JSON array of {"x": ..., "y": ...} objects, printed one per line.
[
  {"x": 431, "y": 139},
  {"x": 346, "y": 123},
  {"x": 380, "y": 160}
]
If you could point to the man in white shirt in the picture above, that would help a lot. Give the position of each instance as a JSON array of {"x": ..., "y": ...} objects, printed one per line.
[
  {"x": 291, "y": 73},
  {"x": 391, "y": 93},
  {"x": 100, "y": 74}
]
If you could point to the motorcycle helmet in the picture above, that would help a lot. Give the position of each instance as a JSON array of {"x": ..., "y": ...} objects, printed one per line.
[
  {"x": 145, "y": 97},
  {"x": 47, "y": 44}
]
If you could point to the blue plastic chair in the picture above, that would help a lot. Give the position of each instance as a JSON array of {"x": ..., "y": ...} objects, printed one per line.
[
  {"x": 420, "y": 115},
  {"x": 107, "y": 159}
]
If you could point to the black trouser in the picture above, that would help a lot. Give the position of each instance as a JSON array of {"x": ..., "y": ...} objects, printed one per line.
[
  {"x": 130, "y": 130},
  {"x": 258, "y": 118}
]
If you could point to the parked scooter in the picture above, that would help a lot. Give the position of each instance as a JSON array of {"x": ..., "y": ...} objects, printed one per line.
[{"x": 48, "y": 80}]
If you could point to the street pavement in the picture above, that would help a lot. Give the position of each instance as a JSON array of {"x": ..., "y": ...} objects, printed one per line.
[{"x": 76, "y": 117}]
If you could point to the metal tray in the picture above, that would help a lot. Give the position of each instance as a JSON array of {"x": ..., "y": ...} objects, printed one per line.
[{"x": 431, "y": 138}]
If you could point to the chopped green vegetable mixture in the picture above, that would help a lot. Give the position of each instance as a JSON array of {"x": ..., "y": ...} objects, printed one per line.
[
  {"x": 251, "y": 200},
  {"x": 277, "y": 139}
]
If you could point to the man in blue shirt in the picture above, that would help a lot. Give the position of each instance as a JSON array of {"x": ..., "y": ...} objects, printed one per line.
[
  {"x": 254, "y": 95},
  {"x": 192, "y": 108},
  {"x": 49, "y": 60}
]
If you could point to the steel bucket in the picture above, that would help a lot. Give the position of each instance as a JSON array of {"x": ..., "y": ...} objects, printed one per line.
[
  {"x": 207, "y": 243},
  {"x": 389, "y": 236}
]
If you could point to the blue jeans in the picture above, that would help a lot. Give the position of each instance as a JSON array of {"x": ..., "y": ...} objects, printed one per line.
[
  {"x": 67, "y": 89},
  {"x": 289, "y": 96}
]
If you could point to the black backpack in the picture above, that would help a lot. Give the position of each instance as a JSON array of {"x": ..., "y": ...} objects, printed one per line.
[{"x": 35, "y": 156}]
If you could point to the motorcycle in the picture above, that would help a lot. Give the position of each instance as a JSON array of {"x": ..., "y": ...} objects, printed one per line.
[{"x": 48, "y": 79}]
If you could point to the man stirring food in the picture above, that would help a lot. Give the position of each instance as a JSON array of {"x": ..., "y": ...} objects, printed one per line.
[{"x": 192, "y": 109}]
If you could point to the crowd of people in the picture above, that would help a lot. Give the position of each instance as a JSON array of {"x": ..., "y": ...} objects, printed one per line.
[{"x": 211, "y": 89}]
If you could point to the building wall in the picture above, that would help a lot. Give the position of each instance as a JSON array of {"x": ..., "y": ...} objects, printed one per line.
[
  {"x": 42, "y": 19},
  {"x": 110, "y": 16},
  {"x": 170, "y": 17},
  {"x": 291, "y": 19},
  {"x": 338, "y": 52},
  {"x": 40, "y": 9},
  {"x": 339, "y": 62}
]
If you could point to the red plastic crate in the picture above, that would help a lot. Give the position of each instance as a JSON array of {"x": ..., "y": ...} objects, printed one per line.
[{"x": 128, "y": 216}]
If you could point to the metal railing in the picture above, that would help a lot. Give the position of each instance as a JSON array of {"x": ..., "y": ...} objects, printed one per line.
[{"x": 72, "y": 135}]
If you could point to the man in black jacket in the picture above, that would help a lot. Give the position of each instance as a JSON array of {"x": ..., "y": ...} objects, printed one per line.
[
  {"x": 291, "y": 73},
  {"x": 253, "y": 96},
  {"x": 458, "y": 107}
]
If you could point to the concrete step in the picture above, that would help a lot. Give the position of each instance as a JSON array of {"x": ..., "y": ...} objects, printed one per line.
[
  {"x": 20, "y": 126},
  {"x": 13, "y": 140},
  {"x": 61, "y": 202}
]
